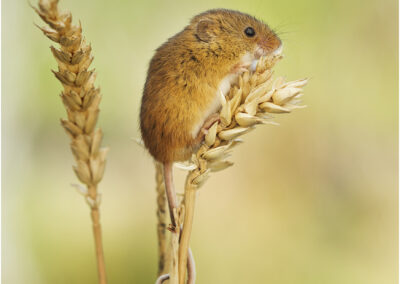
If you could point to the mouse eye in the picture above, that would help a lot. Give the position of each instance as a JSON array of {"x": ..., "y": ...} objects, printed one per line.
[{"x": 249, "y": 31}]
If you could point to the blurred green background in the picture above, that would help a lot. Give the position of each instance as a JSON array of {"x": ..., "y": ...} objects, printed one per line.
[{"x": 314, "y": 200}]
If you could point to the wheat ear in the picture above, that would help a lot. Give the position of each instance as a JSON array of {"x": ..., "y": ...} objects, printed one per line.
[
  {"x": 249, "y": 102},
  {"x": 81, "y": 100}
]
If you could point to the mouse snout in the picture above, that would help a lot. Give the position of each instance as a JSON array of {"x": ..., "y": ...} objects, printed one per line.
[
  {"x": 278, "y": 51},
  {"x": 269, "y": 45}
]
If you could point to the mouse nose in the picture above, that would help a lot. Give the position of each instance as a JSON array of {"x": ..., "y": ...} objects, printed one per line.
[
  {"x": 271, "y": 44},
  {"x": 278, "y": 51}
]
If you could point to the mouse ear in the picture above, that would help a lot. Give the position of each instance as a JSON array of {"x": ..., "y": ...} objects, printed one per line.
[{"x": 205, "y": 30}]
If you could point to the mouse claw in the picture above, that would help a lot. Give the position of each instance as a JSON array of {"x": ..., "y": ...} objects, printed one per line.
[
  {"x": 204, "y": 131},
  {"x": 171, "y": 228},
  {"x": 206, "y": 126},
  {"x": 242, "y": 70}
]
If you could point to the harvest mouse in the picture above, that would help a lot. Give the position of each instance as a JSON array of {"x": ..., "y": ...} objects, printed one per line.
[{"x": 186, "y": 76}]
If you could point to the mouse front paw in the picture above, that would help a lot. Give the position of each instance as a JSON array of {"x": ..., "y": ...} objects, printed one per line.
[{"x": 206, "y": 126}]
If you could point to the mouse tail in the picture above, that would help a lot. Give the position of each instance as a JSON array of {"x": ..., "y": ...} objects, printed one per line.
[{"x": 170, "y": 190}]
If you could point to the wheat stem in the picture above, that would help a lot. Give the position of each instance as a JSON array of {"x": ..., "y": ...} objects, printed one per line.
[
  {"x": 161, "y": 218},
  {"x": 189, "y": 201},
  {"x": 95, "y": 214},
  {"x": 174, "y": 251}
]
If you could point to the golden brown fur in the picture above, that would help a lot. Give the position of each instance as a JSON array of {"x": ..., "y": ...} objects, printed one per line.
[{"x": 185, "y": 73}]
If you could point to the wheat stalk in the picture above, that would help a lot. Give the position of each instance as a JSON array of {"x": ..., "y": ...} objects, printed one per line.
[
  {"x": 161, "y": 218},
  {"x": 81, "y": 100},
  {"x": 249, "y": 102}
]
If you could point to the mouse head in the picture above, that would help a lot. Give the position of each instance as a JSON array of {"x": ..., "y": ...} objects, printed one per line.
[{"x": 234, "y": 33}]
